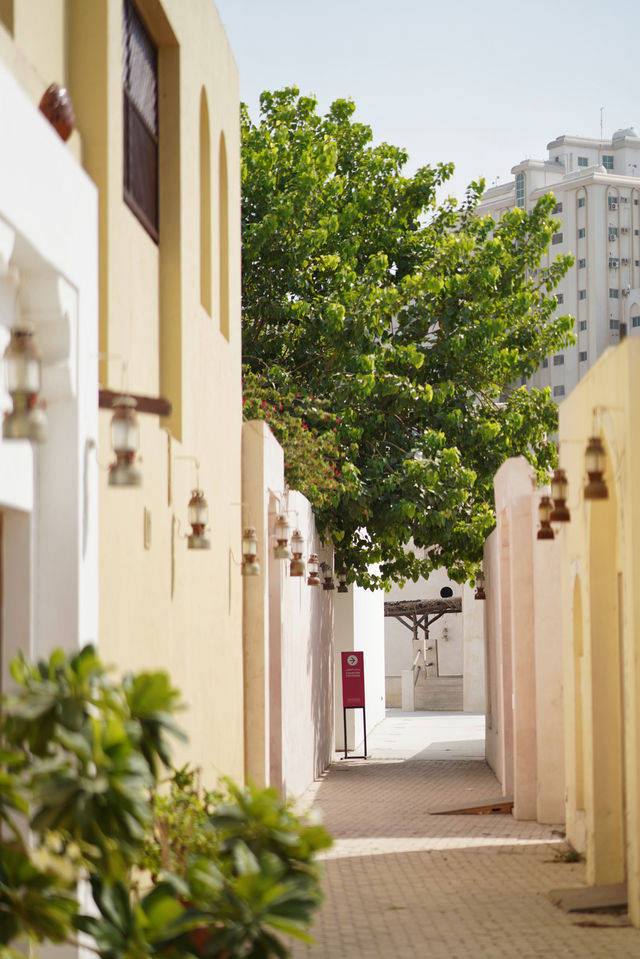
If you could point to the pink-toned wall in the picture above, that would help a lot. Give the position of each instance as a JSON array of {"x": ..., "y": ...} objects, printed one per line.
[{"x": 524, "y": 664}]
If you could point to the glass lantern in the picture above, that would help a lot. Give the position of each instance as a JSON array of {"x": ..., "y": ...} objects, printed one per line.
[
  {"x": 250, "y": 564},
  {"x": 198, "y": 515},
  {"x": 544, "y": 514},
  {"x": 297, "y": 566},
  {"x": 125, "y": 440},
  {"x": 282, "y": 550},
  {"x": 313, "y": 579},
  {"x": 559, "y": 487},
  {"x": 342, "y": 581},
  {"x": 595, "y": 461},
  {"x": 23, "y": 379}
]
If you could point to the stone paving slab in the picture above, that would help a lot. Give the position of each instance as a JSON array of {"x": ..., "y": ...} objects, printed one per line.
[{"x": 403, "y": 883}]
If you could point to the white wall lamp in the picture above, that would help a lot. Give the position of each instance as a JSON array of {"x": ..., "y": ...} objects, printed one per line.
[
  {"x": 250, "y": 564},
  {"x": 281, "y": 531},
  {"x": 23, "y": 368},
  {"x": 125, "y": 439},
  {"x": 313, "y": 579},
  {"x": 297, "y": 566}
]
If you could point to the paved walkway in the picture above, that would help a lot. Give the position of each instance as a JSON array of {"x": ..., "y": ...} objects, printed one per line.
[{"x": 401, "y": 882}]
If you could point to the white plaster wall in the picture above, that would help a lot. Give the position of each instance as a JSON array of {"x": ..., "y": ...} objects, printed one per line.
[
  {"x": 473, "y": 669},
  {"x": 288, "y": 634},
  {"x": 307, "y": 664},
  {"x": 48, "y": 495},
  {"x": 359, "y": 625},
  {"x": 446, "y": 632}
]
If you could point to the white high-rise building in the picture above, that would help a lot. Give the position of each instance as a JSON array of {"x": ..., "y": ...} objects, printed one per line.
[{"x": 596, "y": 184}]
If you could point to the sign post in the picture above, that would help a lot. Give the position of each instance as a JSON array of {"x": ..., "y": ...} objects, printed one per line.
[{"x": 353, "y": 692}]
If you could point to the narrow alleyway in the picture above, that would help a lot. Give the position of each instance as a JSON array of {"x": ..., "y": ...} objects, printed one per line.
[{"x": 402, "y": 882}]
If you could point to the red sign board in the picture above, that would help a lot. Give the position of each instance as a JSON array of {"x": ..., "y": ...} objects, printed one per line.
[{"x": 352, "y": 679}]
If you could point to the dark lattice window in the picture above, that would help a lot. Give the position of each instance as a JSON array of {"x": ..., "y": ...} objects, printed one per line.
[{"x": 140, "y": 82}]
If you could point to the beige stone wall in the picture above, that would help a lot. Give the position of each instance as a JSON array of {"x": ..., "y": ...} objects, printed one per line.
[
  {"x": 601, "y": 626},
  {"x": 162, "y": 606}
]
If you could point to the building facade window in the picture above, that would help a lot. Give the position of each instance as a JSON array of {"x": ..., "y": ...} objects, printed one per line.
[
  {"x": 607, "y": 161},
  {"x": 635, "y": 321},
  {"x": 614, "y": 325},
  {"x": 545, "y": 362},
  {"x": 581, "y": 264},
  {"x": 558, "y": 390},
  {"x": 140, "y": 87},
  {"x": 558, "y": 360},
  {"x": 557, "y": 208},
  {"x": 582, "y": 294},
  {"x": 583, "y": 356},
  {"x": 560, "y": 298},
  {"x": 613, "y": 293},
  {"x": 612, "y": 202},
  {"x": 583, "y": 161},
  {"x": 581, "y": 202},
  {"x": 520, "y": 190},
  {"x": 583, "y": 325},
  {"x": 613, "y": 232},
  {"x": 556, "y": 238},
  {"x": 613, "y": 262}
]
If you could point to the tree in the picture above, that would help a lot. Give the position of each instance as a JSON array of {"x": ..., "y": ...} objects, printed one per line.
[
  {"x": 398, "y": 327},
  {"x": 80, "y": 755}
]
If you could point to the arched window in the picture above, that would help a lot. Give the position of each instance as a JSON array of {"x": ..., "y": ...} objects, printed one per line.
[
  {"x": 205, "y": 205},
  {"x": 224, "y": 239}
]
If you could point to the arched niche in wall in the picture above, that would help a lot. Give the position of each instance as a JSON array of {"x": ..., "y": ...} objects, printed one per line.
[
  {"x": 223, "y": 226},
  {"x": 578, "y": 684},
  {"x": 205, "y": 204},
  {"x": 604, "y": 734}
]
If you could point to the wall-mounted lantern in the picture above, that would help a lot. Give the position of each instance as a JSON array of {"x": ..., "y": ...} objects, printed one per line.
[
  {"x": 282, "y": 550},
  {"x": 479, "y": 582},
  {"x": 125, "y": 440},
  {"x": 559, "y": 486},
  {"x": 198, "y": 516},
  {"x": 250, "y": 564},
  {"x": 342, "y": 581},
  {"x": 23, "y": 375},
  {"x": 595, "y": 461},
  {"x": 297, "y": 567},
  {"x": 327, "y": 575},
  {"x": 313, "y": 579},
  {"x": 544, "y": 515}
]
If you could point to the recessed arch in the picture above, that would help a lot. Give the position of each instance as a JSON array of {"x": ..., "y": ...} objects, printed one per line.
[
  {"x": 205, "y": 204},
  {"x": 578, "y": 683},
  {"x": 223, "y": 189},
  {"x": 604, "y": 743}
]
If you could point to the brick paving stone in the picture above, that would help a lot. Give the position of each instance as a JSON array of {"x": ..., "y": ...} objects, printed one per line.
[{"x": 400, "y": 882}]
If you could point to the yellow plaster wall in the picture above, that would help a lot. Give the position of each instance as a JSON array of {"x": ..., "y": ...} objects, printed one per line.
[
  {"x": 602, "y": 625},
  {"x": 162, "y": 606}
]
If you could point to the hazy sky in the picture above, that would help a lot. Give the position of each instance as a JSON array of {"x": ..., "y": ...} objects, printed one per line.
[{"x": 482, "y": 84}]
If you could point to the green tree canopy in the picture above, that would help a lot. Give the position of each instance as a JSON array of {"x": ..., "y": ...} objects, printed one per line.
[{"x": 396, "y": 326}]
